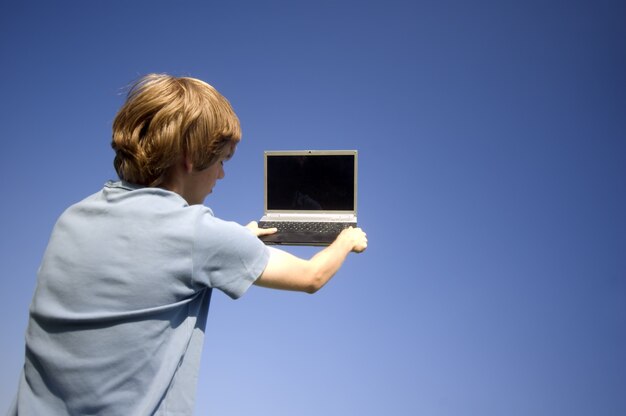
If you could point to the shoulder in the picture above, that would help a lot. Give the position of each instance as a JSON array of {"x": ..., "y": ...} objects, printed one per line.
[
  {"x": 208, "y": 226},
  {"x": 223, "y": 239}
]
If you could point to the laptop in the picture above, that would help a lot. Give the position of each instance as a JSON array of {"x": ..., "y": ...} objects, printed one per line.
[{"x": 310, "y": 195}]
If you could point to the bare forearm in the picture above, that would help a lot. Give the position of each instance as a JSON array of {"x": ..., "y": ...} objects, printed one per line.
[
  {"x": 327, "y": 262},
  {"x": 288, "y": 272}
]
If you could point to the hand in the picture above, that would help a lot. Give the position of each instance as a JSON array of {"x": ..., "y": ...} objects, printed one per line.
[
  {"x": 253, "y": 226},
  {"x": 356, "y": 237}
]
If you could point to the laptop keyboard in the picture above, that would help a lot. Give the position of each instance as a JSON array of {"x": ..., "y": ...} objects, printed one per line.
[{"x": 303, "y": 226}]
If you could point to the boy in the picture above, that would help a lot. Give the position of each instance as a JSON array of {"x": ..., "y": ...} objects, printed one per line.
[{"x": 117, "y": 320}]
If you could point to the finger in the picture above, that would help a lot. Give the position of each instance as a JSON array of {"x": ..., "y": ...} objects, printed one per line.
[{"x": 267, "y": 231}]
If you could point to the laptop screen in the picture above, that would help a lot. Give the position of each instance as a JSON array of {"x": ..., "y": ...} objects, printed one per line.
[{"x": 305, "y": 182}]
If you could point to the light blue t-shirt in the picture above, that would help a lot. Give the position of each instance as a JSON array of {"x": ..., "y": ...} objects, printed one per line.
[{"x": 117, "y": 320}]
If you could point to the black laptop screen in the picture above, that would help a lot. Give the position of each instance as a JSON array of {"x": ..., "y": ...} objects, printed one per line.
[{"x": 310, "y": 182}]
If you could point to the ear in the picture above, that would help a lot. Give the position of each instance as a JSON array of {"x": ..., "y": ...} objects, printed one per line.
[{"x": 187, "y": 163}]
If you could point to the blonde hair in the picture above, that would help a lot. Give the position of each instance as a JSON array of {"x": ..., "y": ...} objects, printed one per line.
[{"x": 165, "y": 118}]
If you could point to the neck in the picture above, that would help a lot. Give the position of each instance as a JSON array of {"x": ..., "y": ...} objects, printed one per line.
[{"x": 175, "y": 182}]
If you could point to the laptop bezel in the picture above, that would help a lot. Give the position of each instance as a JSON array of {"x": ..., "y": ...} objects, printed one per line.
[{"x": 278, "y": 213}]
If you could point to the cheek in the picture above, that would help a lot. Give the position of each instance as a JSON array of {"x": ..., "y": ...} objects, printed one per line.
[{"x": 213, "y": 175}]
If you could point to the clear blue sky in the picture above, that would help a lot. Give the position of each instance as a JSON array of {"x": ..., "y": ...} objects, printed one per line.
[{"x": 492, "y": 186}]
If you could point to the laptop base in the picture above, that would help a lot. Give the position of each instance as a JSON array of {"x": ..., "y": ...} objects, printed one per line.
[{"x": 299, "y": 239}]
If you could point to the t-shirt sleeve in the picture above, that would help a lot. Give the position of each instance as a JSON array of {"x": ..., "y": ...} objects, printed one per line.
[{"x": 227, "y": 256}]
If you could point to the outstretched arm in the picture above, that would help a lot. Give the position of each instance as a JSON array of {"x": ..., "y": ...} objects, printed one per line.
[{"x": 288, "y": 272}]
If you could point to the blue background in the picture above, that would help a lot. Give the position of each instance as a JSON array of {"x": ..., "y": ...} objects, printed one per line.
[{"x": 492, "y": 186}]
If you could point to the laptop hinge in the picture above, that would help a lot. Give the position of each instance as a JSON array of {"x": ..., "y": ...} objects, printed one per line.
[{"x": 309, "y": 217}]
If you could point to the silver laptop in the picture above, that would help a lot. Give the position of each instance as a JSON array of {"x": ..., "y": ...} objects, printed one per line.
[{"x": 310, "y": 195}]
